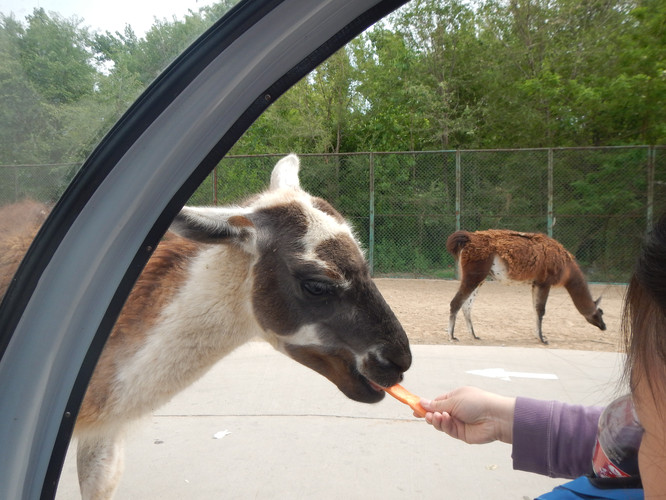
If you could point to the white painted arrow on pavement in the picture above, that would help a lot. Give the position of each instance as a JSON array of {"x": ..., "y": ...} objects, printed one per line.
[{"x": 502, "y": 374}]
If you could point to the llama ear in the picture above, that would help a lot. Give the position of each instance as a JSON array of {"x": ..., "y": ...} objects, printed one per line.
[
  {"x": 285, "y": 174},
  {"x": 215, "y": 225},
  {"x": 598, "y": 301}
]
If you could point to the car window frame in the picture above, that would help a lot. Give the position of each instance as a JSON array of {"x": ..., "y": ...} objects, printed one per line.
[{"x": 73, "y": 281}]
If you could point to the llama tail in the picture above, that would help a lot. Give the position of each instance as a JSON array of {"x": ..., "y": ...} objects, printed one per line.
[{"x": 456, "y": 242}]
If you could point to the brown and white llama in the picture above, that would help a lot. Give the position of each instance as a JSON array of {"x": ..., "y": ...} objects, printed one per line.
[
  {"x": 284, "y": 266},
  {"x": 507, "y": 256}
]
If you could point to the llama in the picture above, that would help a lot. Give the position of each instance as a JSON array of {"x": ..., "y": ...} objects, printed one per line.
[
  {"x": 284, "y": 266},
  {"x": 521, "y": 257}
]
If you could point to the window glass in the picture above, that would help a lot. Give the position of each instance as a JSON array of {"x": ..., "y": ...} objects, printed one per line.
[{"x": 68, "y": 70}]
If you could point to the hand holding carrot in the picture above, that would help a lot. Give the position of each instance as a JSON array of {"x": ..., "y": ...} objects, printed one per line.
[{"x": 472, "y": 415}]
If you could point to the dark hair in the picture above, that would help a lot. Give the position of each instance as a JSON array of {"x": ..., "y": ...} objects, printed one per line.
[{"x": 644, "y": 316}]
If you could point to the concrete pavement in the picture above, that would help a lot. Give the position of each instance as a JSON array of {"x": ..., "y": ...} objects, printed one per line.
[{"x": 260, "y": 425}]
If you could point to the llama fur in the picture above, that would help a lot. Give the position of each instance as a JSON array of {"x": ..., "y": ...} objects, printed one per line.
[{"x": 513, "y": 256}]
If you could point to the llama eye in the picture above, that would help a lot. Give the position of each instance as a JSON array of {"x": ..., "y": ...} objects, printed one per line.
[{"x": 317, "y": 288}]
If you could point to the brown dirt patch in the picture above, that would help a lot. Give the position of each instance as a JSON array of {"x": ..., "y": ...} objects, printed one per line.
[{"x": 502, "y": 315}]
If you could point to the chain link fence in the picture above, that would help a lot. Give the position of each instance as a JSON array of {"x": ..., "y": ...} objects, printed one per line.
[
  {"x": 598, "y": 202},
  {"x": 40, "y": 182}
]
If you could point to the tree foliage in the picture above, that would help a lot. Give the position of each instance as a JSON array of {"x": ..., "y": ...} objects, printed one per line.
[{"x": 434, "y": 75}]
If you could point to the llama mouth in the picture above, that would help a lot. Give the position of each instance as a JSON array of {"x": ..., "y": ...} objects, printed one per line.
[{"x": 375, "y": 386}]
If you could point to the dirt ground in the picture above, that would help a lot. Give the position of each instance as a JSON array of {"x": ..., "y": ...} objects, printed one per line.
[{"x": 503, "y": 315}]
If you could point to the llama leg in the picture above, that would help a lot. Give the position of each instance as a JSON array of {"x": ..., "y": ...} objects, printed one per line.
[
  {"x": 457, "y": 302},
  {"x": 472, "y": 275},
  {"x": 467, "y": 312},
  {"x": 464, "y": 298},
  {"x": 99, "y": 462},
  {"x": 539, "y": 298},
  {"x": 455, "y": 307}
]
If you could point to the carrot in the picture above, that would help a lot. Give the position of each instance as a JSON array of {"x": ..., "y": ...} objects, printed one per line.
[{"x": 404, "y": 396}]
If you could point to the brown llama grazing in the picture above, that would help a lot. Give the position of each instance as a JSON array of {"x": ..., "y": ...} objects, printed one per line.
[
  {"x": 522, "y": 257},
  {"x": 284, "y": 266}
]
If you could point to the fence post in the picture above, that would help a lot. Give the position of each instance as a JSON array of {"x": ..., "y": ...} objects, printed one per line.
[
  {"x": 650, "y": 187},
  {"x": 16, "y": 184},
  {"x": 550, "y": 222},
  {"x": 371, "y": 235},
  {"x": 458, "y": 189}
]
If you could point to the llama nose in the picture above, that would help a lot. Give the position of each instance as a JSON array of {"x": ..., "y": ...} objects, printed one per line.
[
  {"x": 388, "y": 365},
  {"x": 401, "y": 359}
]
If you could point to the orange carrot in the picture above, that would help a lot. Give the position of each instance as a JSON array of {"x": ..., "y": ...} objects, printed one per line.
[{"x": 404, "y": 396}]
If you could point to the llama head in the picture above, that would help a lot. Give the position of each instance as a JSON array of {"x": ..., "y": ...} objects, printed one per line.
[
  {"x": 596, "y": 318},
  {"x": 312, "y": 294}
]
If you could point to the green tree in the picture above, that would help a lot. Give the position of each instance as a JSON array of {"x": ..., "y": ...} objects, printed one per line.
[
  {"x": 639, "y": 91},
  {"x": 549, "y": 77},
  {"x": 55, "y": 56},
  {"x": 20, "y": 106},
  {"x": 442, "y": 85},
  {"x": 333, "y": 87},
  {"x": 40, "y": 84},
  {"x": 385, "y": 118}
]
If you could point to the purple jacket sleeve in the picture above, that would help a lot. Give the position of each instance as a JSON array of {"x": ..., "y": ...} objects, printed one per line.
[{"x": 553, "y": 438}]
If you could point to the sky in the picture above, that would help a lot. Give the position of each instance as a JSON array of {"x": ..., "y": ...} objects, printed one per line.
[{"x": 111, "y": 15}]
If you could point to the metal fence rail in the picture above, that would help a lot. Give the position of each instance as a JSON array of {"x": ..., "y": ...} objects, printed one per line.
[{"x": 598, "y": 202}]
